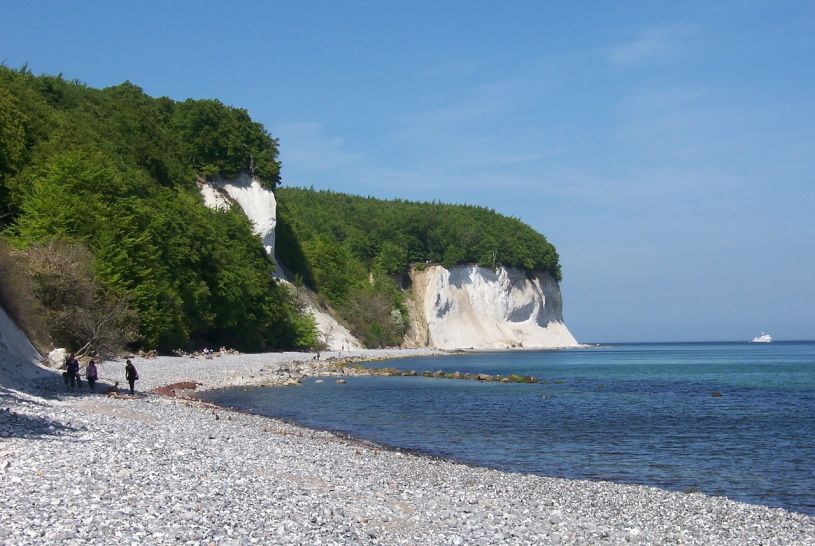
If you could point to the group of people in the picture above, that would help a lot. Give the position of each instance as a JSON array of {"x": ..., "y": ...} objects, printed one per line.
[{"x": 73, "y": 377}]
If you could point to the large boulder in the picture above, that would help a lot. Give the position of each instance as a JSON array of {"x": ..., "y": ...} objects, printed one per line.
[{"x": 56, "y": 358}]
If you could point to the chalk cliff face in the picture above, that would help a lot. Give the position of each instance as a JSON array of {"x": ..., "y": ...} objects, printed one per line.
[
  {"x": 260, "y": 206},
  {"x": 258, "y": 203},
  {"x": 478, "y": 307},
  {"x": 466, "y": 307}
]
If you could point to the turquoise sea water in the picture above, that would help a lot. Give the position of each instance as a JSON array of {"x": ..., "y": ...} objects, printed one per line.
[{"x": 646, "y": 414}]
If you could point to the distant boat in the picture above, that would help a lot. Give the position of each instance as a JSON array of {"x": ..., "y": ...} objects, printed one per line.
[{"x": 763, "y": 338}]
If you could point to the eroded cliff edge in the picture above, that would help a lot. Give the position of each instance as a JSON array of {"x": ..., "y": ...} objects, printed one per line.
[{"x": 480, "y": 307}]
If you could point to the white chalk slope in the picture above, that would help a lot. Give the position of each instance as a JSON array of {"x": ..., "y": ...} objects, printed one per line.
[
  {"x": 260, "y": 206},
  {"x": 258, "y": 203},
  {"x": 19, "y": 360},
  {"x": 466, "y": 307},
  {"x": 478, "y": 307}
]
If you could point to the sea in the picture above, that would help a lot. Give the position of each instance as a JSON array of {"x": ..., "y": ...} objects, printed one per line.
[{"x": 724, "y": 419}]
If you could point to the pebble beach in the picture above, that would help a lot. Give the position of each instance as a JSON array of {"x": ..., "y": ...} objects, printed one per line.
[{"x": 162, "y": 468}]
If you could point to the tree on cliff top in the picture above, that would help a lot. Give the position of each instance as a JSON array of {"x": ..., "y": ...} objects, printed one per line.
[{"x": 219, "y": 139}]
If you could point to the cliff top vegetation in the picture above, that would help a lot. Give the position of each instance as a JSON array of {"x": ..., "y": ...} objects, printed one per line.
[
  {"x": 103, "y": 230},
  {"x": 391, "y": 235}
]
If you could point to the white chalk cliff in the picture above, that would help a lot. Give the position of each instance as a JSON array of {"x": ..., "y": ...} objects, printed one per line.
[
  {"x": 466, "y": 307},
  {"x": 260, "y": 206},
  {"x": 478, "y": 307},
  {"x": 258, "y": 203}
]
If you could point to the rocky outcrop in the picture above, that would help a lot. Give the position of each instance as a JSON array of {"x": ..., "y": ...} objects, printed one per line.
[{"x": 480, "y": 307}]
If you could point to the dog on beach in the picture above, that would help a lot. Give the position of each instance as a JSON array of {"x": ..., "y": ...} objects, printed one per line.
[{"x": 114, "y": 390}]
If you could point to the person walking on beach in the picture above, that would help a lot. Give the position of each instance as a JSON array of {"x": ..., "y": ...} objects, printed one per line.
[
  {"x": 131, "y": 375},
  {"x": 71, "y": 372},
  {"x": 91, "y": 375}
]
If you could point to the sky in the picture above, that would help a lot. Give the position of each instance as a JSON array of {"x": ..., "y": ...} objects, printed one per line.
[{"x": 666, "y": 149}]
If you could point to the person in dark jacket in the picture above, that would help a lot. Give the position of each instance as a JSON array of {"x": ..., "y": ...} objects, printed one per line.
[
  {"x": 72, "y": 372},
  {"x": 131, "y": 375}
]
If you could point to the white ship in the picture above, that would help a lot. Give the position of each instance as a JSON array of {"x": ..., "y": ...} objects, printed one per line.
[{"x": 763, "y": 338}]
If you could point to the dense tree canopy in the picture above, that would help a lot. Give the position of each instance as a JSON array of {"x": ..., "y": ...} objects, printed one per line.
[
  {"x": 115, "y": 170},
  {"x": 105, "y": 180},
  {"x": 390, "y": 235}
]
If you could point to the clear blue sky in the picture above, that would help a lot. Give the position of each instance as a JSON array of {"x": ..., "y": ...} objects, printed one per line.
[{"x": 667, "y": 149}]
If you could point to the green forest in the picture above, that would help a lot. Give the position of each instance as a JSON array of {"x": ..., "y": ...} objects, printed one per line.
[
  {"x": 356, "y": 251},
  {"x": 105, "y": 242}
]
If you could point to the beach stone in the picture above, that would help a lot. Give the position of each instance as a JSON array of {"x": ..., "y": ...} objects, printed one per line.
[{"x": 56, "y": 358}]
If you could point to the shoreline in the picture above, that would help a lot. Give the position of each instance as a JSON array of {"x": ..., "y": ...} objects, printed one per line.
[
  {"x": 251, "y": 369},
  {"x": 85, "y": 468}
]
